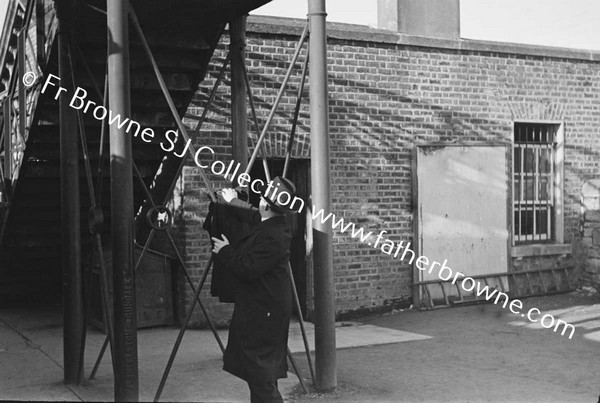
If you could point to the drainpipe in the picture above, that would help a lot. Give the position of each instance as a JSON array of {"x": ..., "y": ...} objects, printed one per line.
[
  {"x": 121, "y": 186},
  {"x": 325, "y": 354}
]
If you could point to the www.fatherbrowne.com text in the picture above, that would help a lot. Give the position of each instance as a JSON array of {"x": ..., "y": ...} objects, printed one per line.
[{"x": 229, "y": 171}]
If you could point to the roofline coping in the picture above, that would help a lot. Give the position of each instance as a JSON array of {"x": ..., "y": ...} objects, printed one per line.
[{"x": 363, "y": 33}]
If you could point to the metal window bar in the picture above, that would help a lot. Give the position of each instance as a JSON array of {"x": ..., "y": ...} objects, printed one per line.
[
  {"x": 535, "y": 179},
  {"x": 532, "y": 210},
  {"x": 526, "y": 194},
  {"x": 553, "y": 145},
  {"x": 543, "y": 185},
  {"x": 517, "y": 196}
]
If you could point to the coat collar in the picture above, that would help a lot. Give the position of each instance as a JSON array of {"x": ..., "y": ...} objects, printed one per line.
[
  {"x": 269, "y": 223},
  {"x": 273, "y": 221}
]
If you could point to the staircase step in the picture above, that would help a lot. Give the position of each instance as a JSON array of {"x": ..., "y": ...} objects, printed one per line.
[
  {"x": 169, "y": 59},
  {"x": 50, "y": 134},
  {"x": 145, "y": 117},
  {"x": 141, "y": 150},
  {"x": 44, "y": 215},
  {"x": 151, "y": 99},
  {"x": 27, "y": 256},
  {"x": 188, "y": 34},
  {"x": 50, "y": 169},
  {"x": 141, "y": 80},
  {"x": 182, "y": 36}
]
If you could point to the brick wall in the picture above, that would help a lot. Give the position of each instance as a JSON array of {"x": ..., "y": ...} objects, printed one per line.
[{"x": 387, "y": 92}]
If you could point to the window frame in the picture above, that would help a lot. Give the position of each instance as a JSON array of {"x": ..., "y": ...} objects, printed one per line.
[{"x": 556, "y": 243}]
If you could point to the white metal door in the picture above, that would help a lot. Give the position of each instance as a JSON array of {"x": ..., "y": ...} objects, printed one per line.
[{"x": 462, "y": 214}]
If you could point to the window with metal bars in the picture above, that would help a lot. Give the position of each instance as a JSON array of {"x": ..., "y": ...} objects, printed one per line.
[{"x": 534, "y": 156}]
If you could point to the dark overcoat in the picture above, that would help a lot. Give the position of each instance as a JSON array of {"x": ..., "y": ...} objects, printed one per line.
[
  {"x": 224, "y": 219},
  {"x": 258, "y": 334}
]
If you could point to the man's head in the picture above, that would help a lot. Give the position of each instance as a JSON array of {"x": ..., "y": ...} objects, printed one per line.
[
  {"x": 276, "y": 197},
  {"x": 267, "y": 211}
]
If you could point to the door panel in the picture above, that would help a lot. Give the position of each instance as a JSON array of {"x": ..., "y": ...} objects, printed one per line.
[{"x": 462, "y": 215}]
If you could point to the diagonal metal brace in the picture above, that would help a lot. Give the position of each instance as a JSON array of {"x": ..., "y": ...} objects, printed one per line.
[
  {"x": 165, "y": 90},
  {"x": 278, "y": 99}
]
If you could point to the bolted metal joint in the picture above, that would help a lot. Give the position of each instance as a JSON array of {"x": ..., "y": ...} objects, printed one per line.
[{"x": 160, "y": 218}]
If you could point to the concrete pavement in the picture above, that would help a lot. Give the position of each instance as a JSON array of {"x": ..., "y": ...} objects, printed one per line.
[
  {"x": 33, "y": 340},
  {"x": 476, "y": 353}
]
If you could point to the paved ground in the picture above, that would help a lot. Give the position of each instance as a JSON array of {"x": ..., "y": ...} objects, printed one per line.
[{"x": 477, "y": 353}]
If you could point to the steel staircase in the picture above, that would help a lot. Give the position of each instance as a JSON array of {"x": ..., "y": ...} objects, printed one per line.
[{"x": 182, "y": 34}]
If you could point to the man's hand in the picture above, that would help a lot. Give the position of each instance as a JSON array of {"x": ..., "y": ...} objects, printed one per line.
[
  {"x": 228, "y": 194},
  {"x": 219, "y": 243}
]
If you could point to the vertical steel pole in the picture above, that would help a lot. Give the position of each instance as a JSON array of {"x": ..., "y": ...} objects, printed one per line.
[
  {"x": 325, "y": 354},
  {"x": 70, "y": 209},
  {"x": 40, "y": 26},
  {"x": 121, "y": 186},
  {"x": 21, "y": 86},
  {"x": 239, "y": 111},
  {"x": 6, "y": 109}
]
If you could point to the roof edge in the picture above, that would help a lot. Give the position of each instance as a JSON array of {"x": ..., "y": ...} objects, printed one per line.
[{"x": 363, "y": 33}]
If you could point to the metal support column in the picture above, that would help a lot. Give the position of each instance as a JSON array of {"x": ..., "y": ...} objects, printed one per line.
[
  {"x": 21, "y": 87},
  {"x": 239, "y": 111},
  {"x": 325, "y": 354},
  {"x": 40, "y": 26},
  {"x": 72, "y": 280},
  {"x": 6, "y": 110},
  {"x": 121, "y": 185}
]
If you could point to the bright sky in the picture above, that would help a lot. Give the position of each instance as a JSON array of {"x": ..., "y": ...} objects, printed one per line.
[
  {"x": 566, "y": 23},
  {"x": 3, "y": 5}
]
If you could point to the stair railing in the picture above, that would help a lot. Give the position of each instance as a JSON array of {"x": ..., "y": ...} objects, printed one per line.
[{"x": 25, "y": 43}]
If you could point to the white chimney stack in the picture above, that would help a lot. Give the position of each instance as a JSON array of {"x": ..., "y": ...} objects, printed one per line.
[{"x": 431, "y": 18}]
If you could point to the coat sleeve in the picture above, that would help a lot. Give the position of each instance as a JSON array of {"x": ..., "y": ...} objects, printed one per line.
[{"x": 262, "y": 256}]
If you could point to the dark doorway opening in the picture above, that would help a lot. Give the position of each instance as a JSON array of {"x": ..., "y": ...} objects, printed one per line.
[{"x": 299, "y": 174}]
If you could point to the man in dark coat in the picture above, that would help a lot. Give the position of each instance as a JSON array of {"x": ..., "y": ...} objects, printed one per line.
[
  {"x": 257, "y": 345},
  {"x": 223, "y": 219}
]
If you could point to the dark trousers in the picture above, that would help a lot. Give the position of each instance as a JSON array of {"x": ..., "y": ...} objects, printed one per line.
[{"x": 265, "y": 392}]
